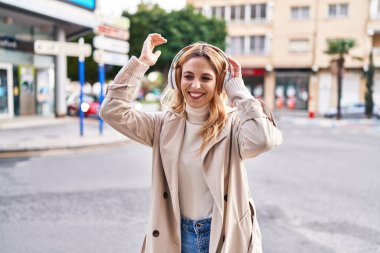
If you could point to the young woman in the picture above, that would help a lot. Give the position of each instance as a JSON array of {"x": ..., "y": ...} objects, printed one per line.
[{"x": 201, "y": 200}]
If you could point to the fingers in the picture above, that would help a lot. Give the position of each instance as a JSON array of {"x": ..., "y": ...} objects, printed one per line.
[
  {"x": 236, "y": 71},
  {"x": 156, "y": 39},
  {"x": 233, "y": 62},
  {"x": 157, "y": 53}
]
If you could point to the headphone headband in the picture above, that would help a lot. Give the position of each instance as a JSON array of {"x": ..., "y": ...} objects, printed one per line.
[{"x": 171, "y": 73}]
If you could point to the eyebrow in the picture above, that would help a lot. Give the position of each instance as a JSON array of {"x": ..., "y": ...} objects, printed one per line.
[{"x": 189, "y": 72}]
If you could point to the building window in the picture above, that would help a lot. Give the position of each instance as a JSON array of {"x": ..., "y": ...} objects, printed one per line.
[
  {"x": 259, "y": 12},
  {"x": 299, "y": 46},
  {"x": 338, "y": 10},
  {"x": 237, "y": 45},
  {"x": 222, "y": 12},
  {"x": 218, "y": 12},
  {"x": 257, "y": 44},
  {"x": 213, "y": 11},
  {"x": 238, "y": 12},
  {"x": 300, "y": 12}
]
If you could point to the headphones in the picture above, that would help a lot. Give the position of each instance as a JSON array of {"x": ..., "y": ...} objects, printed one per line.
[{"x": 171, "y": 73}]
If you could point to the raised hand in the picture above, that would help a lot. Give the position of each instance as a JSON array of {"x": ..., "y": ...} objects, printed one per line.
[
  {"x": 147, "y": 56},
  {"x": 236, "y": 69}
]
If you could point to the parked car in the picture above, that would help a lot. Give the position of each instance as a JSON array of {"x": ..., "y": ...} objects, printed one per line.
[
  {"x": 90, "y": 105},
  {"x": 355, "y": 110}
]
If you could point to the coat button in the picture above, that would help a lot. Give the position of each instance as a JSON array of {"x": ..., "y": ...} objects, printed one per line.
[
  {"x": 225, "y": 197},
  {"x": 156, "y": 233},
  {"x": 165, "y": 195},
  {"x": 223, "y": 238}
]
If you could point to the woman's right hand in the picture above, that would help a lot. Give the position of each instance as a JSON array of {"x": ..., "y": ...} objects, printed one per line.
[{"x": 147, "y": 56}]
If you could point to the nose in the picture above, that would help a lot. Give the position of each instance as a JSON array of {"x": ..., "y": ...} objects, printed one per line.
[{"x": 196, "y": 84}]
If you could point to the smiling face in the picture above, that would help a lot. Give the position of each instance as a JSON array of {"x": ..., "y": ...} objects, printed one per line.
[{"x": 198, "y": 82}]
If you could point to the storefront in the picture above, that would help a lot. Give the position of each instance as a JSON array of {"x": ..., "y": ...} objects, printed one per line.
[
  {"x": 27, "y": 80},
  {"x": 292, "y": 89},
  {"x": 32, "y": 84},
  {"x": 254, "y": 80}
]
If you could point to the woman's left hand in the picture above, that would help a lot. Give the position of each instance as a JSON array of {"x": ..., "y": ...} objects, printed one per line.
[{"x": 236, "y": 69}]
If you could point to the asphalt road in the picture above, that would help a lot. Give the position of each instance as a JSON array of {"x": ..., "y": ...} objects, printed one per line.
[{"x": 317, "y": 193}]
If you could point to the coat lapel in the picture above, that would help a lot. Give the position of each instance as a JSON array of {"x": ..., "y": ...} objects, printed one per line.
[{"x": 170, "y": 145}]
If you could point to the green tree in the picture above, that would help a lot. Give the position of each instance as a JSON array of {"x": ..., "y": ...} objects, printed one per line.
[
  {"x": 369, "y": 92},
  {"x": 180, "y": 28},
  {"x": 340, "y": 48}
]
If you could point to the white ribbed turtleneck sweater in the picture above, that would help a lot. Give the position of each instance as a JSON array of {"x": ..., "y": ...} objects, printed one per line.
[{"x": 195, "y": 198}]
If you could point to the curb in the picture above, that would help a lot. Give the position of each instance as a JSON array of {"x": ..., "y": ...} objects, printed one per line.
[
  {"x": 5, "y": 150},
  {"x": 329, "y": 122}
]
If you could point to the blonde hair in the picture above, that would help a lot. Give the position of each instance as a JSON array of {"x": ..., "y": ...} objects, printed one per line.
[{"x": 174, "y": 99}]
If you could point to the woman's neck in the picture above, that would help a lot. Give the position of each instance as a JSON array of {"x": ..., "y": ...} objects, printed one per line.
[{"x": 197, "y": 115}]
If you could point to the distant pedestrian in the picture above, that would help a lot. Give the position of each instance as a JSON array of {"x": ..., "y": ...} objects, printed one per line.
[{"x": 200, "y": 200}]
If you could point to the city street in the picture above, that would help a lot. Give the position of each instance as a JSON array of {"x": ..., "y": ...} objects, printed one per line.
[{"x": 317, "y": 193}]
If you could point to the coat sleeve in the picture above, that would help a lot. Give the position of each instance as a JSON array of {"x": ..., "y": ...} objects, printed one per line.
[
  {"x": 256, "y": 128},
  {"x": 117, "y": 109}
]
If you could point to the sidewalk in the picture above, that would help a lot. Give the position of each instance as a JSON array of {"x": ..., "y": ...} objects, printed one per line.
[
  {"x": 36, "y": 133},
  {"x": 48, "y": 133},
  {"x": 302, "y": 118}
]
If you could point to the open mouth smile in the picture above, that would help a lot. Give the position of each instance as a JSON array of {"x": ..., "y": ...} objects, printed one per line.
[{"x": 196, "y": 95}]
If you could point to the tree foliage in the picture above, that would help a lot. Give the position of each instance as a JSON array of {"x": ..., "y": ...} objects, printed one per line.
[
  {"x": 180, "y": 28},
  {"x": 340, "y": 47}
]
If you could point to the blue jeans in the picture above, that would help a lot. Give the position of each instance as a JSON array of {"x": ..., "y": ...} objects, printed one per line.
[{"x": 195, "y": 235}]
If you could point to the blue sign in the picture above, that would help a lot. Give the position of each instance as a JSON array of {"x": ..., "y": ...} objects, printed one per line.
[{"x": 88, "y": 4}]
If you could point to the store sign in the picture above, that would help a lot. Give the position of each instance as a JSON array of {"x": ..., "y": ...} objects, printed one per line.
[
  {"x": 112, "y": 32},
  {"x": 110, "y": 58},
  {"x": 252, "y": 72},
  {"x": 66, "y": 48},
  {"x": 109, "y": 44},
  {"x": 9, "y": 42}
]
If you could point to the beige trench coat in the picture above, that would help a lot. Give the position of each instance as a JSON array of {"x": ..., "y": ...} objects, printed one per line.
[{"x": 249, "y": 131}]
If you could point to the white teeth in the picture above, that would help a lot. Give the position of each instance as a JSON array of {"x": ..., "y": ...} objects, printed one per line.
[{"x": 195, "y": 94}]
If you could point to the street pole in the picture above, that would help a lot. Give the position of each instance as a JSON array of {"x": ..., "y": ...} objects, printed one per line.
[
  {"x": 81, "y": 81},
  {"x": 101, "y": 97}
]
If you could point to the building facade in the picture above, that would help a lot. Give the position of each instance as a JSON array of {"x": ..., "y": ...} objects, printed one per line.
[
  {"x": 281, "y": 43},
  {"x": 30, "y": 83}
]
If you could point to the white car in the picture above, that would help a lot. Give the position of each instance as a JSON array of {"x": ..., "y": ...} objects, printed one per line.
[{"x": 355, "y": 110}]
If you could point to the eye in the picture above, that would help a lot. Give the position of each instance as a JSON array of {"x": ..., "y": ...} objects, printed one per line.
[
  {"x": 188, "y": 77},
  {"x": 206, "y": 78}
]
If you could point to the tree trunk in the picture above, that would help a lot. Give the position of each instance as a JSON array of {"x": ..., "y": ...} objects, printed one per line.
[
  {"x": 340, "y": 77},
  {"x": 369, "y": 92}
]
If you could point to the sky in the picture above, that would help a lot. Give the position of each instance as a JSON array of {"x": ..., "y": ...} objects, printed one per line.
[{"x": 116, "y": 7}]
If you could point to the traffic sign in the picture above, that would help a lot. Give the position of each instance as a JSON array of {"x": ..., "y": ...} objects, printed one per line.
[
  {"x": 50, "y": 47},
  {"x": 119, "y": 46},
  {"x": 110, "y": 58},
  {"x": 112, "y": 32},
  {"x": 114, "y": 21}
]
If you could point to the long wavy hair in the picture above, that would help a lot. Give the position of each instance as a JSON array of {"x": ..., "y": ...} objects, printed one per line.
[{"x": 174, "y": 99}]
